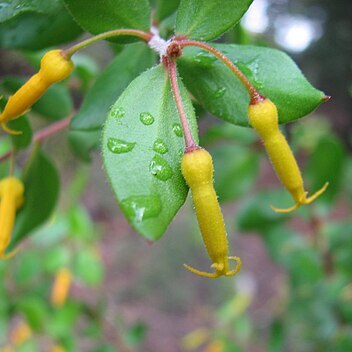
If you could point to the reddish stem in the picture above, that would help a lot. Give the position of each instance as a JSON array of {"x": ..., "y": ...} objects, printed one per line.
[
  {"x": 52, "y": 129},
  {"x": 43, "y": 134},
  {"x": 254, "y": 94},
  {"x": 172, "y": 70}
]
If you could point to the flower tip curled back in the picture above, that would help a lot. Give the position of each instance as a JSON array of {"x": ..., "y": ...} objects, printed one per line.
[{"x": 303, "y": 201}]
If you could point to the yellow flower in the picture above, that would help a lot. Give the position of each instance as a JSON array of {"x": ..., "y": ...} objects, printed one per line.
[
  {"x": 263, "y": 117},
  {"x": 54, "y": 67},
  {"x": 20, "y": 334},
  {"x": 11, "y": 199},
  {"x": 197, "y": 169},
  {"x": 61, "y": 287}
]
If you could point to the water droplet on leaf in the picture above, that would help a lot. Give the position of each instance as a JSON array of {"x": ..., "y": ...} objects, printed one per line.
[
  {"x": 140, "y": 208},
  {"x": 160, "y": 168},
  {"x": 146, "y": 118},
  {"x": 119, "y": 146},
  {"x": 117, "y": 112},
  {"x": 250, "y": 69},
  {"x": 219, "y": 92},
  {"x": 204, "y": 58},
  {"x": 160, "y": 147},
  {"x": 176, "y": 127}
]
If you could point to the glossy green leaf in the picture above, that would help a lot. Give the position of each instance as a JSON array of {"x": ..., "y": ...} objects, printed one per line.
[
  {"x": 255, "y": 214},
  {"x": 41, "y": 182},
  {"x": 326, "y": 165},
  {"x": 142, "y": 147},
  {"x": 206, "y": 20},
  {"x": 236, "y": 169},
  {"x": 86, "y": 125},
  {"x": 133, "y": 60},
  {"x": 271, "y": 71},
  {"x": 13, "y": 8},
  {"x": 21, "y": 141},
  {"x": 35, "y": 24},
  {"x": 55, "y": 104},
  {"x": 104, "y": 15},
  {"x": 164, "y": 9}
]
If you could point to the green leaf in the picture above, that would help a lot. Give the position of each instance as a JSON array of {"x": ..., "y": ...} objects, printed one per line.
[
  {"x": 142, "y": 146},
  {"x": 41, "y": 182},
  {"x": 88, "y": 268},
  {"x": 133, "y": 60},
  {"x": 83, "y": 142},
  {"x": 35, "y": 310},
  {"x": 29, "y": 268},
  {"x": 136, "y": 334},
  {"x": 55, "y": 104},
  {"x": 165, "y": 9},
  {"x": 226, "y": 131},
  {"x": 86, "y": 125},
  {"x": 104, "y": 15},
  {"x": 271, "y": 71},
  {"x": 236, "y": 169},
  {"x": 339, "y": 239},
  {"x": 35, "y": 24},
  {"x": 326, "y": 164},
  {"x": 21, "y": 141},
  {"x": 13, "y": 8},
  {"x": 255, "y": 214},
  {"x": 206, "y": 20}
]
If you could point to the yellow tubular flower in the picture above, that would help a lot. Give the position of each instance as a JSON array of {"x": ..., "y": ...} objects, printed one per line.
[
  {"x": 11, "y": 199},
  {"x": 20, "y": 334},
  {"x": 197, "y": 169},
  {"x": 54, "y": 67},
  {"x": 61, "y": 287},
  {"x": 263, "y": 117}
]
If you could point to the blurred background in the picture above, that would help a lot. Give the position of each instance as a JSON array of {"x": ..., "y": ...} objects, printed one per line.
[{"x": 294, "y": 292}]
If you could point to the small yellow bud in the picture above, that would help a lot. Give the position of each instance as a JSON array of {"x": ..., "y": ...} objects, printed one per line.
[
  {"x": 197, "y": 169},
  {"x": 61, "y": 287},
  {"x": 55, "y": 66},
  {"x": 263, "y": 117}
]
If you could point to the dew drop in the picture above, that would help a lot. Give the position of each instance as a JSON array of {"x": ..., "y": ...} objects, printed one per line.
[
  {"x": 251, "y": 70},
  {"x": 117, "y": 112},
  {"x": 160, "y": 168},
  {"x": 176, "y": 127},
  {"x": 219, "y": 92},
  {"x": 118, "y": 146},
  {"x": 146, "y": 118},
  {"x": 140, "y": 208},
  {"x": 205, "y": 59},
  {"x": 160, "y": 147}
]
